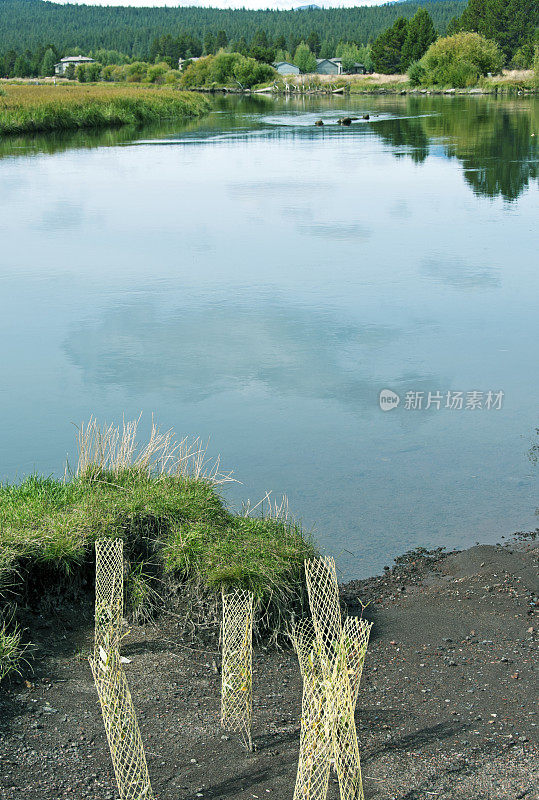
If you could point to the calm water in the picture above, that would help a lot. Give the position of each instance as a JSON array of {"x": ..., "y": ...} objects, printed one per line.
[{"x": 258, "y": 281}]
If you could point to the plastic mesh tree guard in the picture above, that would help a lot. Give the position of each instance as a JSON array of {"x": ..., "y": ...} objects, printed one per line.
[
  {"x": 119, "y": 718},
  {"x": 237, "y": 670},
  {"x": 121, "y": 727},
  {"x": 331, "y": 660},
  {"x": 315, "y": 738},
  {"x": 109, "y": 594}
]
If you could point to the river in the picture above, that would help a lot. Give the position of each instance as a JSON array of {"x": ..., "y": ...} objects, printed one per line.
[{"x": 258, "y": 281}]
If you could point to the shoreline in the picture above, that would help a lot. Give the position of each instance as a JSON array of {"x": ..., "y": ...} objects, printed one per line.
[{"x": 445, "y": 704}]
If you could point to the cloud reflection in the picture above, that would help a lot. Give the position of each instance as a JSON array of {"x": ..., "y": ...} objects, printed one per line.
[{"x": 197, "y": 352}]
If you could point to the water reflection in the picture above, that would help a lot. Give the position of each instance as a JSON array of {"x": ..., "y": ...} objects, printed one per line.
[
  {"x": 407, "y": 136},
  {"x": 496, "y": 141},
  {"x": 274, "y": 347},
  {"x": 459, "y": 274}
]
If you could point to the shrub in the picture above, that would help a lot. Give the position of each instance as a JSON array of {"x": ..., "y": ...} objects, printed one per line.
[
  {"x": 80, "y": 73},
  {"x": 460, "y": 60},
  {"x": 222, "y": 67},
  {"x": 248, "y": 72},
  {"x": 523, "y": 58},
  {"x": 137, "y": 72},
  {"x": 157, "y": 72},
  {"x": 107, "y": 73},
  {"x": 93, "y": 72},
  {"x": 416, "y": 73},
  {"x": 172, "y": 76},
  {"x": 196, "y": 73},
  {"x": 226, "y": 69}
]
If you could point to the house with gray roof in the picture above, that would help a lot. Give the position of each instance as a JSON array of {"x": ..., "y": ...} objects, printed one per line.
[
  {"x": 285, "y": 68},
  {"x": 328, "y": 66},
  {"x": 333, "y": 66},
  {"x": 63, "y": 64}
]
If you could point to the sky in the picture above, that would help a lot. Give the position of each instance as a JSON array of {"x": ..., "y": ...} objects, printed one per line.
[{"x": 276, "y": 4}]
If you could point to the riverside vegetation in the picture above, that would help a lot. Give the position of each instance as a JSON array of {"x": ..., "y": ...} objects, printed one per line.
[
  {"x": 478, "y": 39},
  {"x": 29, "y": 109},
  {"x": 163, "y": 500}
]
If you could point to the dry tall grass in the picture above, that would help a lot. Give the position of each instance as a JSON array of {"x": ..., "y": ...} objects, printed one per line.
[
  {"x": 27, "y": 109},
  {"x": 109, "y": 448}
]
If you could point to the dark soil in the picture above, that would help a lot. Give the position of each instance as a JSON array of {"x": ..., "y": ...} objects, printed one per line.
[{"x": 446, "y": 707}]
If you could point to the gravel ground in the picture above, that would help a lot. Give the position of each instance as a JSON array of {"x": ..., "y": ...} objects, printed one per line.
[{"x": 446, "y": 709}]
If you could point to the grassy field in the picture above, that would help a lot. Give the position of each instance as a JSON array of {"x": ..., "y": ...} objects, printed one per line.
[
  {"x": 47, "y": 108},
  {"x": 164, "y": 502}
]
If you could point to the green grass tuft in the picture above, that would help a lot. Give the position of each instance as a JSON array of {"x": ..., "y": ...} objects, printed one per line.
[
  {"x": 11, "y": 650},
  {"x": 174, "y": 526}
]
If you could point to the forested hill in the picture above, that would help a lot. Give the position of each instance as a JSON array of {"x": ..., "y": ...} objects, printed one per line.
[{"x": 34, "y": 23}]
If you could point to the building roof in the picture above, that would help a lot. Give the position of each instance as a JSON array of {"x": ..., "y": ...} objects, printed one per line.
[
  {"x": 336, "y": 61},
  {"x": 283, "y": 63},
  {"x": 69, "y": 59}
]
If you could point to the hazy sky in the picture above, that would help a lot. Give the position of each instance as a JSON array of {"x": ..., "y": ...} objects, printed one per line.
[{"x": 277, "y": 4}]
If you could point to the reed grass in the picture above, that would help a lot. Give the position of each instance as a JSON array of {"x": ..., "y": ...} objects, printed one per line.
[
  {"x": 50, "y": 108},
  {"x": 163, "y": 499}
]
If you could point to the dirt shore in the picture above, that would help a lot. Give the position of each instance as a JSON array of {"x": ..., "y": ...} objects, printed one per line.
[{"x": 446, "y": 707}]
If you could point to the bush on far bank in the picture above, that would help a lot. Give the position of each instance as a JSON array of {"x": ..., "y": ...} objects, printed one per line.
[
  {"x": 223, "y": 69},
  {"x": 226, "y": 69},
  {"x": 458, "y": 61},
  {"x": 136, "y": 72}
]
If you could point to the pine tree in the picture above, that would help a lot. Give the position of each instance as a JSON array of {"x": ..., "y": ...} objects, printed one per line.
[
  {"x": 387, "y": 48},
  {"x": 260, "y": 39},
  {"x": 510, "y": 23},
  {"x": 419, "y": 37},
  {"x": 22, "y": 68},
  {"x": 327, "y": 49},
  {"x": 221, "y": 40},
  {"x": 209, "y": 44},
  {"x": 313, "y": 40},
  {"x": 47, "y": 65}
]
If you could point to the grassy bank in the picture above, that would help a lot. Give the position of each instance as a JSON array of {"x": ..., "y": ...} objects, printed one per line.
[
  {"x": 509, "y": 82},
  {"x": 49, "y": 108},
  {"x": 179, "y": 537}
]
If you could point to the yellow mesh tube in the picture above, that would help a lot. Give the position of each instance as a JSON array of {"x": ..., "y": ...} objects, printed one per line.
[
  {"x": 331, "y": 660},
  {"x": 237, "y": 647},
  {"x": 109, "y": 594},
  {"x": 121, "y": 727}
]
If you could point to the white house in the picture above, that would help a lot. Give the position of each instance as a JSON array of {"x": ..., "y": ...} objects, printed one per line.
[
  {"x": 60, "y": 68},
  {"x": 181, "y": 61}
]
